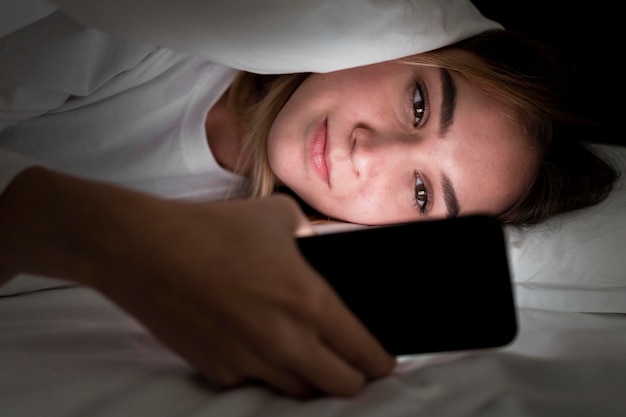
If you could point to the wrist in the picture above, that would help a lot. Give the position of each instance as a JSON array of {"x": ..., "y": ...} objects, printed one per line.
[{"x": 56, "y": 225}]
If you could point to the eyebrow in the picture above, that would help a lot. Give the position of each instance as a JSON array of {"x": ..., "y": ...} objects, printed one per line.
[
  {"x": 452, "y": 203},
  {"x": 448, "y": 101},
  {"x": 446, "y": 118}
]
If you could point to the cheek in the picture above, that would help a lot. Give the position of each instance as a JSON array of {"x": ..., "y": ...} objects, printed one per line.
[
  {"x": 372, "y": 204},
  {"x": 273, "y": 153},
  {"x": 282, "y": 151}
]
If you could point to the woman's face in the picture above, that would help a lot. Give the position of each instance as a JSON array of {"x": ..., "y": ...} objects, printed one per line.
[{"x": 391, "y": 142}]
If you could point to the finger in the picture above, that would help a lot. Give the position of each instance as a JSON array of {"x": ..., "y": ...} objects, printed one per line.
[
  {"x": 212, "y": 360},
  {"x": 323, "y": 368},
  {"x": 244, "y": 365},
  {"x": 283, "y": 381},
  {"x": 304, "y": 229},
  {"x": 248, "y": 364},
  {"x": 349, "y": 337},
  {"x": 298, "y": 222},
  {"x": 307, "y": 357},
  {"x": 321, "y": 228}
]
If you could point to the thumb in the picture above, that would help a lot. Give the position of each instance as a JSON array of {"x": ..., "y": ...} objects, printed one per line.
[{"x": 288, "y": 207}]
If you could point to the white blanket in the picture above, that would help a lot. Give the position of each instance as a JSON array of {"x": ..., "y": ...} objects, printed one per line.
[
  {"x": 71, "y": 353},
  {"x": 277, "y": 36}
]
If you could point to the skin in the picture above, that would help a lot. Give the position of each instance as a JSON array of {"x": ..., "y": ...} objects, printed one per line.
[
  {"x": 196, "y": 276},
  {"x": 373, "y": 149},
  {"x": 185, "y": 269}
]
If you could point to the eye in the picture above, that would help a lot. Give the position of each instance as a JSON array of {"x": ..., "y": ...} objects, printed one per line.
[
  {"x": 422, "y": 195},
  {"x": 419, "y": 104}
]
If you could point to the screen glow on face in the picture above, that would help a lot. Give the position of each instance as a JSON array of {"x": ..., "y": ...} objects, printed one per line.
[{"x": 392, "y": 142}]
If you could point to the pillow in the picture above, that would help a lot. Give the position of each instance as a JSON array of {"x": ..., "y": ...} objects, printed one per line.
[{"x": 575, "y": 261}]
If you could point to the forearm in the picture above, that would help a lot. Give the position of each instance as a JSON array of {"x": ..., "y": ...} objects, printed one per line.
[
  {"x": 185, "y": 271},
  {"x": 55, "y": 225}
]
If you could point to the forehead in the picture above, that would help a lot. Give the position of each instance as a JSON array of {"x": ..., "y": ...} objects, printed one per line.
[{"x": 493, "y": 160}]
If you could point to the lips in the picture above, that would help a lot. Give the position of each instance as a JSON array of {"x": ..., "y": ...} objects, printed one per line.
[{"x": 318, "y": 152}]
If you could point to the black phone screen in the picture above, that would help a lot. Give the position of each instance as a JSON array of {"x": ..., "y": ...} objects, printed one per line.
[{"x": 423, "y": 287}]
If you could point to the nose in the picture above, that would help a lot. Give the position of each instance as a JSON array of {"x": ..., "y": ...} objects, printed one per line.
[{"x": 374, "y": 152}]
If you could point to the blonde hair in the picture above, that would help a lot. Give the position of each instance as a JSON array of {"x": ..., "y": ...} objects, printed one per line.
[
  {"x": 527, "y": 76},
  {"x": 256, "y": 100}
]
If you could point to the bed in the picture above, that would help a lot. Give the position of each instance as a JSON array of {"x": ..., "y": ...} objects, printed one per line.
[{"x": 67, "y": 351}]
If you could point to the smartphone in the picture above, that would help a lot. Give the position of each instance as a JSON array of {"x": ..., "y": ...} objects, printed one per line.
[{"x": 423, "y": 287}]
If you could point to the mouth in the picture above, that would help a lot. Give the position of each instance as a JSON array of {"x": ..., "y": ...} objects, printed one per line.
[{"x": 318, "y": 152}]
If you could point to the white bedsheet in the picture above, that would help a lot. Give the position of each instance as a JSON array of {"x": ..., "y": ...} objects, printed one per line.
[
  {"x": 65, "y": 351},
  {"x": 69, "y": 352}
]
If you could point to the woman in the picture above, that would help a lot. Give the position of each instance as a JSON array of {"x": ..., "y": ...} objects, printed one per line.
[
  {"x": 499, "y": 96},
  {"x": 424, "y": 137}
]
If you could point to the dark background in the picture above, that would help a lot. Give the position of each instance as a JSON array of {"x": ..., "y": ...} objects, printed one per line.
[{"x": 589, "y": 33}]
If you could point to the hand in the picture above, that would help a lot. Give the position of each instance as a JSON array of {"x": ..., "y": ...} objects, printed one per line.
[{"x": 224, "y": 285}]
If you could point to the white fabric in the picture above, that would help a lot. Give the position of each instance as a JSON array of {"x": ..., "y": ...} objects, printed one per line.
[
  {"x": 97, "y": 106},
  {"x": 15, "y": 14},
  {"x": 71, "y": 353},
  {"x": 575, "y": 261},
  {"x": 60, "y": 78},
  {"x": 269, "y": 36},
  {"x": 256, "y": 35}
]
